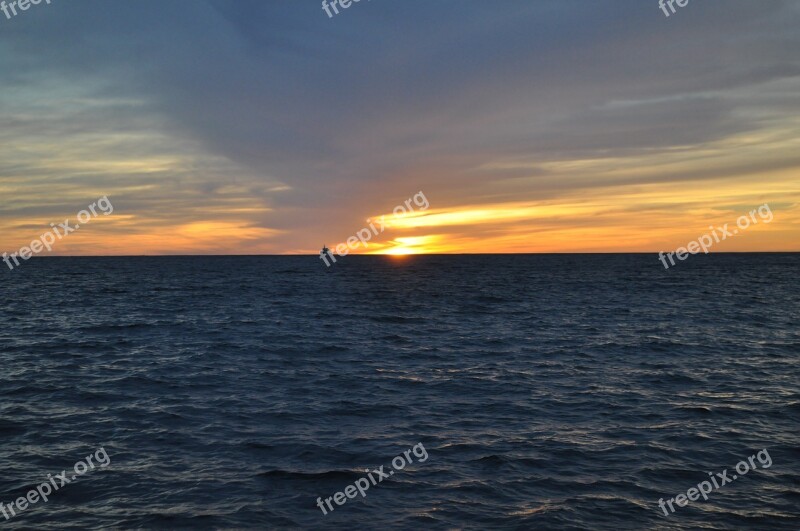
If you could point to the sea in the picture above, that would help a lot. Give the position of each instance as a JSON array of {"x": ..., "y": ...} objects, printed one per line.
[{"x": 543, "y": 391}]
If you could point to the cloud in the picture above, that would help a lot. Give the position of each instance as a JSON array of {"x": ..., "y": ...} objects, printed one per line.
[{"x": 271, "y": 115}]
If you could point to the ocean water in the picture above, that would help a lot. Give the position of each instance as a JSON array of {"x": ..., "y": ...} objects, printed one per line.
[{"x": 548, "y": 391}]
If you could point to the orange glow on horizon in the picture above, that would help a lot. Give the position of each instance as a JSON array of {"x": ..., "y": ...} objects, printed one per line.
[{"x": 642, "y": 218}]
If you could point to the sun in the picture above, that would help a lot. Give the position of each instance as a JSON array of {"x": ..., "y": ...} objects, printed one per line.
[{"x": 400, "y": 251}]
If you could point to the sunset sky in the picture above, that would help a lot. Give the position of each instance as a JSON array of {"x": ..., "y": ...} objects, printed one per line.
[{"x": 266, "y": 127}]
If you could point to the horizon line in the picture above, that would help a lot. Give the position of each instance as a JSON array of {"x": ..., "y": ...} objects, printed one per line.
[{"x": 388, "y": 255}]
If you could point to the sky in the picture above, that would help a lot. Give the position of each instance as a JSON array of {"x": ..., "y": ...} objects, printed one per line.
[{"x": 268, "y": 127}]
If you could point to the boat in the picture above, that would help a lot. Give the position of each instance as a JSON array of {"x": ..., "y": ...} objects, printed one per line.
[{"x": 324, "y": 250}]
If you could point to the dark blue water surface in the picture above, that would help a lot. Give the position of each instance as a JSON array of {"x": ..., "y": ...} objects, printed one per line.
[{"x": 549, "y": 392}]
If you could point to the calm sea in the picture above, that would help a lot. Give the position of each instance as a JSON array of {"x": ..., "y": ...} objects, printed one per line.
[{"x": 549, "y": 391}]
